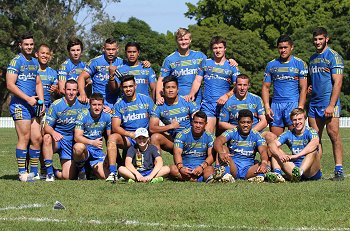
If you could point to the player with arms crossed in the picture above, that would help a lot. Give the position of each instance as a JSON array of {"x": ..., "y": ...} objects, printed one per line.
[
  {"x": 326, "y": 72},
  {"x": 25, "y": 84},
  {"x": 193, "y": 148},
  {"x": 304, "y": 162}
]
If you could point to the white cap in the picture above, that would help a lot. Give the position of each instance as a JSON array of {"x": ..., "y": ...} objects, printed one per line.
[{"x": 141, "y": 132}]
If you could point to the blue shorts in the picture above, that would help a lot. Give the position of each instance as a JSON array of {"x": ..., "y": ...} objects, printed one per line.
[
  {"x": 21, "y": 110},
  {"x": 65, "y": 149},
  {"x": 131, "y": 140},
  {"x": 145, "y": 172},
  {"x": 211, "y": 109},
  {"x": 193, "y": 166},
  {"x": 242, "y": 168},
  {"x": 96, "y": 155},
  {"x": 317, "y": 176},
  {"x": 281, "y": 114},
  {"x": 318, "y": 111}
]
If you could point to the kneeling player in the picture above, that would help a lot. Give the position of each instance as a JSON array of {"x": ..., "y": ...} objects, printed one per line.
[
  {"x": 304, "y": 163},
  {"x": 240, "y": 153},
  {"x": 143, "y": 162},
  {"x": 193, "y": 151},
  {"x": 88, "y": 133}
]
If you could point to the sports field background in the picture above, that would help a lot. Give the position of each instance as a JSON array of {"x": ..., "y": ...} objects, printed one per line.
[{"x": 97, "y": 205}]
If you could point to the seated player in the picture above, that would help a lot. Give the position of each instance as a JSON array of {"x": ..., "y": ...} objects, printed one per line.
[
  {"x": 59, "y": 132},
  {"x": 143, "y": 162},
  {"x": 88, "y": 135},
  {"x": 243, "y": 142},
  {"x": 175, "y": 114},
  {"x": 193, "y": 148},
  {"x": 303, "y": 141}
]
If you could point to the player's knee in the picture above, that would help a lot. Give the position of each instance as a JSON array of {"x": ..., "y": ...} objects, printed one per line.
[
  {"x": 174, "y": 171},
  {"x": 156, "y": 139},
  {"x": 78, "y": 149},
  {"x": 47, "y": 140},
  {"x": 269, "y": 137}
]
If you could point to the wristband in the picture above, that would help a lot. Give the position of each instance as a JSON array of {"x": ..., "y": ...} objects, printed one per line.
[{"x": 201, "y": 166}]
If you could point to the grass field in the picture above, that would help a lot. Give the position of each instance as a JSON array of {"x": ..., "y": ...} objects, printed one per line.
[{"x": 97, "y": 205}]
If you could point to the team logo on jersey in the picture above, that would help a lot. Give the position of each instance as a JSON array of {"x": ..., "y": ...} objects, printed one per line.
[
  {"x": 177, "y": 63},
  {"x": 102, "y": 68},
  {"x": 194, "y": 61},
  {"x": 141, "y": 106},
  {"x": 210, "y": 68},
  {"x": 166, "y": 113},
  {"x": 142, "y": 72},
  {"x": 183, "y": 109},
  {"x": 227, "y": 72}
]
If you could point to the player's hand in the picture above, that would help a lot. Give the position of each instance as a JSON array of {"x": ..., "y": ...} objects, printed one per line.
[
  {"x": 131, "y": 134},
  {"x": 185, "y": 172},
  {"x": 146, "y": 64},
  {"x": 262, "y": 168},
  {"x": 42, "y": 112},
  {"x": 88, "y": 82},
  {"x": 222, "y": 100},
  {"x": 160, "y": 100},
  {"x": 174, "y": 124},
  {"x": 189, "y": 98},
  {"x": 285, "y": 158},
  {"x": 233, "y": 63},
  {"x": 32, "y": 100},
  {"x": 225, "y": 157},
  {"x": 83, "y": 98},
  {"x": 53, "y": 88},
  {"x": 269, "y": 114},
  {"x": 329, "y": 112},
  {"x": 57, "y": 136},
  {"x": 309, "y": 89},
  {"x": 111, "y": 69},
  {"x": 107, "y": 109},
  {"x": 97, "y": 143},
  {"x": 197, "y": 171}
]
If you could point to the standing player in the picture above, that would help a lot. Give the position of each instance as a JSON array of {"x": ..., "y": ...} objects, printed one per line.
[
  {"x": 242, "y": 99},
  {"x": 24, "y": 83},
  {"x": 218, "y": 76},
  {"x": 289, "y": 77},
  {"x": 175, "y": 114},
  {"x": 88, "y": 135},
  {"x": 145, "y": 77},
  {"x": 243, "y": 142},
  {"x": 73, "y": 66},
  {"x": 304, "y": 162},
  {"x": 59, "y": 131},
  {"x": 326, "y": 72},
  {"x": 193, "y": 148},
  {"x": 98, "y": 70}
]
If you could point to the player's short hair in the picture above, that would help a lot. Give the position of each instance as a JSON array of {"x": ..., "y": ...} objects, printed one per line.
[
  {"x": 217, "y": 40},
  {"x": 298, "y": 111},
  {"x": 110, "y": 41},
  {"x": 126, "y": 78},
  {"x": 133, "y": 44},
  {"x": 170, "y": 78},
  {"x": 73, "y": 42},
  {"x": 201, "y": 114},
  {"x": 96, "y": 96},
  {"x": 284, "y": 38},
  {"x": 181, "y": 32},
  {"x": 320, "y": 31},
  {"x": 26, "y": 35},
  {"x": 245, "y": 113},
  {"x": 43, "y": 45},
  {"x": 71, "y": 81},
  {"x": 243, "y": 76}
]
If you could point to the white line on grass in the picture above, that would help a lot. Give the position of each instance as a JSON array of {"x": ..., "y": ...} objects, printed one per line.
[
  {"x": 19, "y": 207},
  {"x": 158, "y": 224}
]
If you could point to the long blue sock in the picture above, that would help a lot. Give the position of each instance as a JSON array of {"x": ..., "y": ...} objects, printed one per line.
[
  {"x": 277, "y": 170},
  {"x": 81, "y": 166},
  {"x": 34, "y": 160},
  {"x": 21, "y": 156},
  {"x": 48, "y": 166},
  {"x": 338, "y": 168},
  {"x": 112, "y": 168}
]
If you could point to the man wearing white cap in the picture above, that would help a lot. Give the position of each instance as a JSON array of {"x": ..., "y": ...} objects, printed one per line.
[{"x": 143, "y": 162}]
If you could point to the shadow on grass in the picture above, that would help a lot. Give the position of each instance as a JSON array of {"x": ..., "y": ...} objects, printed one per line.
[{"x": 9, "y": 177}]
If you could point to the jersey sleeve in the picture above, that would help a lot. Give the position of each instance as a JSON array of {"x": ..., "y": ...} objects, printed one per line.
[
  {"x": 228, "y": 134},
  {"x": 267, "y": 74},
  {"x": 260, "y": 141},
  {"x": 155, "y": 112},
  {"x": 14, "y": 66},
  {"x": 62, "y": 72},
  {"x": 151, "y": 76},
  {"x": 200, "y": 69},
  {"x": 337, "y": 64},
  {"x": 116, "y": 111},
  {"x": 224, "y": 113},
  {"x": 303, "y": 70},
  {"x": 51, "y": 116},
  {"x": 260, "y": 106},
  {"x": 193, "y": 107},
  {"x": 235, "y": 73},
  {"x": 91, "y": 67},
  {"x": 80, "y": 122},
  {"x": 283, "y": 138},
  {"x": 166, "y": 68},
  {"x": 179, "y": 140},
  {"x": 108, "y": 122}
]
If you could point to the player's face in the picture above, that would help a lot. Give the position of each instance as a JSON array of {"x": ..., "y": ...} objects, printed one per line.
[
  {"x": 285, "y": 50},
  {"x": 242, "y": 86},
  {"x": 71, "y": 91},
  {"x": 27, "y": 46},
  {"x": 129, "y": 88},
  {"x": 96, "y": 107},
  {"x": 245, "y": 125},
  {"x": 142, "y": 141},
  {"x": 43, "y": 55},
  {"x": 198, "y": 125},
  {"x": 184, "y": 42},
  {"x": 219, "y": 50},
  {"x": 132, "y": 54},
  {"x": 171, "y": 90},
  {"x": 75, "y": 53},
  {"x": 320, "y": 42},
  {"x": 111, "y": 51},
  {"x": 298, "y": 122}
]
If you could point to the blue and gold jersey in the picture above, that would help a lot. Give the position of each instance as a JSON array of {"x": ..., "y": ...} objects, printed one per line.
[
  {"x": 252, "y": 102},
  {"x": 322, "y": 66},
  {"x": 93, "y": 127},
  {"x": 184, "y": 68},
  {"x": 98, "y": 70},
  {"x": 62, "y": 117},
  {"x": 134, "y": 114},
  {"x": 48, "y": 78},
  {"x": 243, "y": 147},
  {"x": 285, "y": 78},
  {"x": 180, "y": 111},
  {"x": 217, "y": 79},
  {"x": 297, "y": 143},
  {"x": 143, "y": 76},
  {"x": 26, "y": 71},
  {"x": 69, "y": 70},
  {"x": 194, "y": 151}
]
